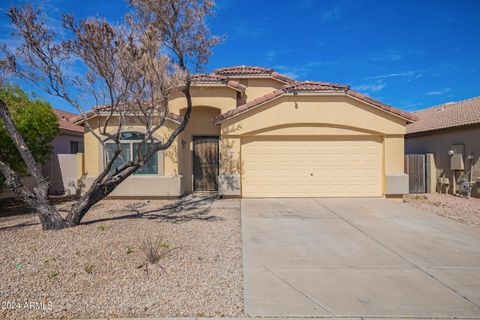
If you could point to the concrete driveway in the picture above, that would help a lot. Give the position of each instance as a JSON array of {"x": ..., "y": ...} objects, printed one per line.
[{"x": 357, "y": 258}]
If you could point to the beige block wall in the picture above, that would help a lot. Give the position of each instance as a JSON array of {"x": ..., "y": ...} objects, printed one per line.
[{"x": 439, "y": 142}]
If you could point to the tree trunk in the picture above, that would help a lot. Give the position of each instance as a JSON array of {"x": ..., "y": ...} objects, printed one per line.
[
  {"x": 50, "y": 218},
  {"x": 38, "y": 199},
  {"x": 97, "y": 192}
]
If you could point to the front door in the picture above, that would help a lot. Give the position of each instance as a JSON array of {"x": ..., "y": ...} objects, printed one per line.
[{"x": 205, "y": 163}]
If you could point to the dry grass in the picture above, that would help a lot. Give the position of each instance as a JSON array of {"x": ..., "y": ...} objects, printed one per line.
[
  {"x": 154, "y": 250},
  {"x": 91, "y": 271}
]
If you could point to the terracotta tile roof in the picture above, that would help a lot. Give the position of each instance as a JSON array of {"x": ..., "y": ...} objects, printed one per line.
[
  {"x": 448, "y": 115},
  {"x": 97, "y": 109},
  {"x": 214, "y": 78},
  {"x": 244, "y": 70},
  {"x": 253, "y": 71},
  {"x": 307, "y": 86},
  {"x": 65, "y": 121}
]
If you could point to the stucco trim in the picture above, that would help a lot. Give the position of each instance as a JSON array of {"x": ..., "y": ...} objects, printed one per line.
[{"x": 311, "y": 124}]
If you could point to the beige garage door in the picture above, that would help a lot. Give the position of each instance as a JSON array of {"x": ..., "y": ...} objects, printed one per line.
[{"x": 306, "y": 167}]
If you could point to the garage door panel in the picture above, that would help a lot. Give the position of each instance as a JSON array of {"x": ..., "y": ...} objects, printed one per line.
[{"x": 333, "y": 167}]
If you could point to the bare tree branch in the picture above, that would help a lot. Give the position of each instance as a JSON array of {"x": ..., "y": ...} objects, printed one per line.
[{"x": 130, "y": 70}]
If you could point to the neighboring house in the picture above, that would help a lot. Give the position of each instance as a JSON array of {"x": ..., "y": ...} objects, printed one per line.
[
  {"x": 256, "y": 133},
  {"x": 448, "y": 130},
  {"x": 62, "y": 169}
]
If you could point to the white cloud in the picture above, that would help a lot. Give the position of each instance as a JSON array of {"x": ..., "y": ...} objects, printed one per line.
[
  {"x": 292, "y": 72},
  {"x": 370, "y": 87},
  {"x": 410, "y": 73},
  {"x": 438, "y": 92}
]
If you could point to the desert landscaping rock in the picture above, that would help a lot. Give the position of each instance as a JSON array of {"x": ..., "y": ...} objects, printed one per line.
[
  {"x": 94, "y": 270},
  {"x": 456, "y": 208}
]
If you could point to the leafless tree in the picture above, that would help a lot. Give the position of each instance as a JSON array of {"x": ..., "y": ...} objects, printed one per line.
[{"x": 131, "y": 69}]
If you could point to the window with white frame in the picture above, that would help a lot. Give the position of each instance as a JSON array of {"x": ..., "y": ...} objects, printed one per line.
[{"x": 130, "y": 142}]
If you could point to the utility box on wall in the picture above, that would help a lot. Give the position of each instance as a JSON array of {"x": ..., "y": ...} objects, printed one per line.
[{"x": 456, "y": 153}]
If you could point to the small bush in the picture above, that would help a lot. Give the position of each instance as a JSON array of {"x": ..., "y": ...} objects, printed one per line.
[
  {"x": 102, "y": 227},
  {"x": 51, "y": 259},
  {"x": 129, "y": 250},
  {"x": 164, "y": 245},
  {"x": 52, "y": 274},
  {"x": 154, "y": 249},
  {"x": 88, "y": 268}
]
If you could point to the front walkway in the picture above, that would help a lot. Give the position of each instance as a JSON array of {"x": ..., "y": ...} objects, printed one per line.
[{"x": 357, "y": 257}]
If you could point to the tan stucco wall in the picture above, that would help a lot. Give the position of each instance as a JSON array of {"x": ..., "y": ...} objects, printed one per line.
[
  {"x": 221, "y": 97},
  {"x": 94, "y": 154},
  {"x": 258, "y": 87},
  {"x": 208, "y": 102},
  {"x": 339, "y": 111},
  {"x": 439, "y": 142},
  {"x": 299, "y": 115},
  {"x": 146, "y": 186},
  {"x": 317, "y": 115}
]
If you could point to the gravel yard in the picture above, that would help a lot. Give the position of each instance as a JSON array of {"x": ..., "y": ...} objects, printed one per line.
[
  {"x": 95, "y": 269},
  {"x": 459, "y": 209}
]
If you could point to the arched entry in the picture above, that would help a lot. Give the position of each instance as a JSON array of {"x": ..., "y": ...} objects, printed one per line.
[{"x": 199, "y": 150}]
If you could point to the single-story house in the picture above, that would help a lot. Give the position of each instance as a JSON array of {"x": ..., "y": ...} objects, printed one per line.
[
  {"x": 450, "y": 131},
  {"x": 256, "y": 133},
  {"x": 65, "y": 165}
]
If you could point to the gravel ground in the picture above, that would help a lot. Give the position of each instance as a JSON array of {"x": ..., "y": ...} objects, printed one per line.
[
  {"x": 459, "y": 209},
  {"x": 93, "y": 270}
]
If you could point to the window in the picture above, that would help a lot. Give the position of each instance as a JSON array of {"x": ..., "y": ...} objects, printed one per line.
[
  {"x": 76, "y": 147},
  {"x": 130, "y": 142}
]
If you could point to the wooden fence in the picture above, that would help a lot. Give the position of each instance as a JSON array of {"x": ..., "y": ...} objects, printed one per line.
[{"x": 415, "y": 167}]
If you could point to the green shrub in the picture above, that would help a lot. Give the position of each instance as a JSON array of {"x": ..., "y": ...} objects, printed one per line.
[
  {"x": 102, "y": 227},
  {"x": 88, "y": 268},
  {"x": 129, "y": 249}
]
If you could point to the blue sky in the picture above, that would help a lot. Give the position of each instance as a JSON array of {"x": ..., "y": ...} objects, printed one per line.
[{"x": 409, "y": 54}]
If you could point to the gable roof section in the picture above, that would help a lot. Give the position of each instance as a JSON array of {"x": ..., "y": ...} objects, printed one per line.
[
  {"x": 206, "y": 79},
  {"x": 448, "y": 115},
  {"x": 313, "y": 87},
  {"x": 65, "y": 121},
  {"x": 253, "y": 72}
]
